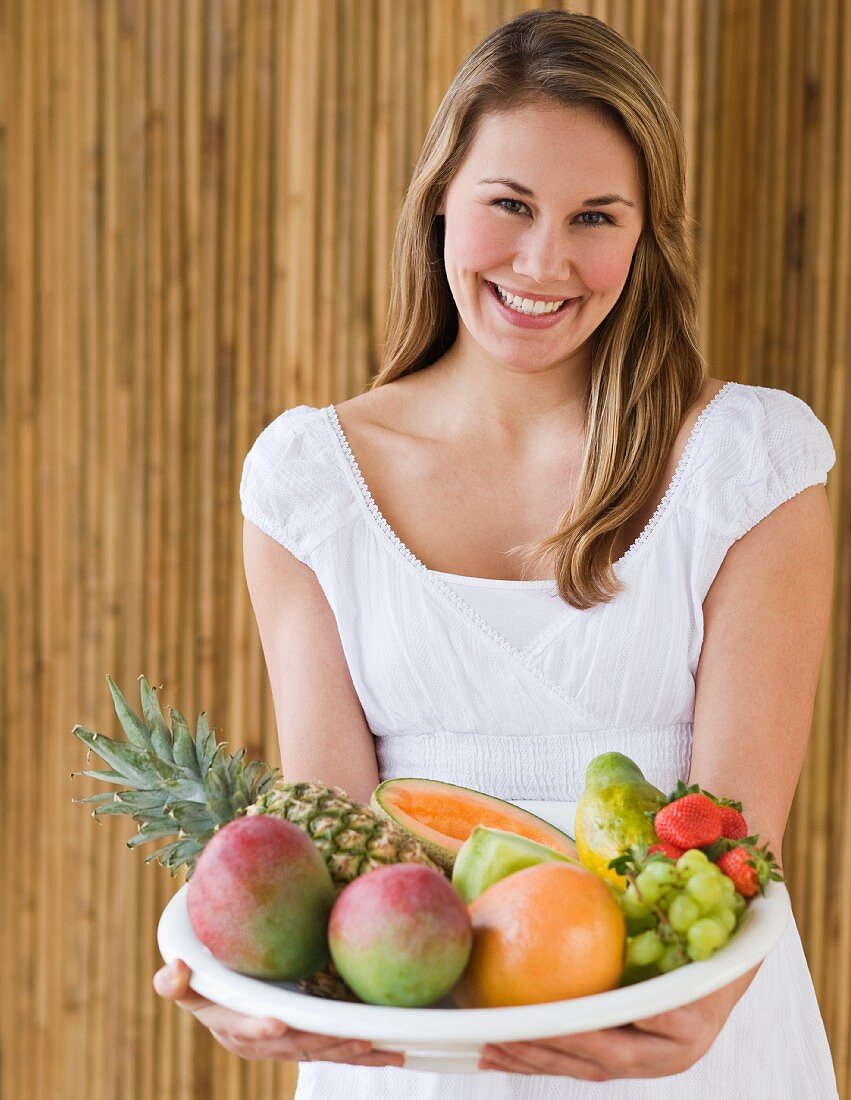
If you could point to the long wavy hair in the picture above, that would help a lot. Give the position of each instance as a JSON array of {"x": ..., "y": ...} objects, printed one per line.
[{"x": 646, "y": 367}]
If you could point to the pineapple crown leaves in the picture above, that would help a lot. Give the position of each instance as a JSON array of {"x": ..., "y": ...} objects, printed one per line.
[{"x": 177, "y": 785}]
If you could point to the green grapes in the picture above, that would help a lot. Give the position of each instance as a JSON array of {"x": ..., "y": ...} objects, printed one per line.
[
  {"x": 644, "y": 949},
  {"x": 672, "y": 957},
  {"x": 692, "y": 861},
  {"x": 706, "y": 888},
  {"x": 648, "y": 886},
  {"x": 676, "y": 912},
  {"x": 683, "y": 912},
  {"x": 660, "y": 871},
  {"x": 726, "y": 916},
  {"x": 704, "y": 937}
]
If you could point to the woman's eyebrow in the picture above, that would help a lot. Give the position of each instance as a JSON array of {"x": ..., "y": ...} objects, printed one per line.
[{"x": 601, "y": 200}]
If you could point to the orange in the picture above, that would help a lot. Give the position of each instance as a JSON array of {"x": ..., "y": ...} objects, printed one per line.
[{"x": 546, "y": 933}]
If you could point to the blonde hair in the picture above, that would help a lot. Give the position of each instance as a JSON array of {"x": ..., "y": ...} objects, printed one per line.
[{"x": 646, "y": 368}]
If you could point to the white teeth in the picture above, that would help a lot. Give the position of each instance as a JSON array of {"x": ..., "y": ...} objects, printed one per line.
[{"x": 527, "y": 305}]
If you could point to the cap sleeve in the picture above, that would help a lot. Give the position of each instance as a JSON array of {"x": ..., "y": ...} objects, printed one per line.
[
  {"x": 764, "y": 449},
  {"x": 281, "y": 488}
]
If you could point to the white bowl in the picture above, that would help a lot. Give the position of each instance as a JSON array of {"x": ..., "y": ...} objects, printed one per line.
[{"x": 448, "y": 1039}]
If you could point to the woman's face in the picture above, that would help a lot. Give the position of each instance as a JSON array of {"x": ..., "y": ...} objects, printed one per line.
[{"x": 551, "y": 243}]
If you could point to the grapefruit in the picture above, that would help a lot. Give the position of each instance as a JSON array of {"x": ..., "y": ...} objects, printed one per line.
[{"x": 547, "y": 933}]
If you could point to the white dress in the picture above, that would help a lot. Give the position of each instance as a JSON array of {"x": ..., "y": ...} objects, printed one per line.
[{"x": 503, "y": 687}]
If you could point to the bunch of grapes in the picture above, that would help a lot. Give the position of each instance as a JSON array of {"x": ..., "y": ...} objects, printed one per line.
[{"x": 676, "y": 911}]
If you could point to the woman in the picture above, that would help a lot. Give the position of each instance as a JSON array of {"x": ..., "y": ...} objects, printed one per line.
[{"x": 668, "y": 606}]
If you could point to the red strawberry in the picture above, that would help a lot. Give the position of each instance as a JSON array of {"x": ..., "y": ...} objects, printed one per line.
[
  {"x": 668, "y": 849},
  {"x": 733, "y": 824},
  {"x": 692, "y": 821},
  {"x": 749, "y": 867}
]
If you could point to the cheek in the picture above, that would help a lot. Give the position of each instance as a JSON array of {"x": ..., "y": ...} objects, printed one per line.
[
  {"x": 605, "y": 269},
  {"x": 477, "y": 242}
]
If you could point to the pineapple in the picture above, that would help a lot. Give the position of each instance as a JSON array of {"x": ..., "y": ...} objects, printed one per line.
[{"x": 188, "y": 789}]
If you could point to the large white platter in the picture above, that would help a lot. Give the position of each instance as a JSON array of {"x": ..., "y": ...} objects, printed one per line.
[{"x": 448, "y": 1039}]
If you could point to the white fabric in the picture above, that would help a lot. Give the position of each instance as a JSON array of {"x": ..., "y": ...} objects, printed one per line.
[
  {"x": 458, "y": 683},
  {"x": 521, "y": 611}
]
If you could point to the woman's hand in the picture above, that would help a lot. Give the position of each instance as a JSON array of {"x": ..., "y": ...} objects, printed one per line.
[
  {"x": 254, "y": 1038},
  {"x": 654, "y": 1047}
]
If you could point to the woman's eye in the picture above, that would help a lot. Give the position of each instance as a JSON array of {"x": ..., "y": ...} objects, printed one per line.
[
  {"x": 504, "y": 204},
  {"x": 596, "y": 214},
  {"x": 514, "y": 202}
]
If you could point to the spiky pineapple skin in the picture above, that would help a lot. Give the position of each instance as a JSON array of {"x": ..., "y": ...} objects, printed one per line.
[{"x": 352, "y": 838}]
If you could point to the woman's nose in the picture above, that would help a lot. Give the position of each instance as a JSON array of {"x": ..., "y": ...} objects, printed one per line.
[{"x": 544, "y": 260}]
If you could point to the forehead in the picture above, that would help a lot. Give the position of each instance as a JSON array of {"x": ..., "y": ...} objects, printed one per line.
[{"x": 538, "y": 143}]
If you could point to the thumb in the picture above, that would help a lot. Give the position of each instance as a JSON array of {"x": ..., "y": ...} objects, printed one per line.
[{"x": 172, "y": 982}]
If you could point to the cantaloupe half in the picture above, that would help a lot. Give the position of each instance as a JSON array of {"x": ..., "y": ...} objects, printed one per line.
[{"x": 442, "y": 815}]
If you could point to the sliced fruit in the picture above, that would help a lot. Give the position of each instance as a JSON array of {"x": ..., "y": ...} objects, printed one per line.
[
  {"x": 441, "y": 816},
  {"x": 488, "y": 855}
]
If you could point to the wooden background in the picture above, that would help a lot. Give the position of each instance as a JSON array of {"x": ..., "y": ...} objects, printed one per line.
[{"x": 197, "y": 202}]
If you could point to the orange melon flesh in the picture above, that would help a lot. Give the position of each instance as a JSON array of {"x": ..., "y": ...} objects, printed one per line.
[{"x": 444, "y": 814}]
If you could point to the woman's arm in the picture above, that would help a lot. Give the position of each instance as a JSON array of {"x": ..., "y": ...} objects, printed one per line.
[
  {"x": 766, "y": 619},
  {"x": 324, "y": 737},
  {"x": 323, "y": 734}
]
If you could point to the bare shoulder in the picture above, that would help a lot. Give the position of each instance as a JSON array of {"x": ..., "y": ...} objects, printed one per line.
[
  {"x": 708, "y": 392},
  {"x": 394, "y": 407}
]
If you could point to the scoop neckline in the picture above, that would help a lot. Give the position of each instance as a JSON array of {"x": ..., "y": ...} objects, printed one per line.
[{"x": 497, "y": 582}]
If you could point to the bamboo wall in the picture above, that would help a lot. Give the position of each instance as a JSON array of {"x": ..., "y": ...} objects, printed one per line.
[{"x": 197, "y": 202}]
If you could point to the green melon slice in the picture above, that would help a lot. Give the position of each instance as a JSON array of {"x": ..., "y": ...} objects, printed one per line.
[{"x": 442, "y": 815}]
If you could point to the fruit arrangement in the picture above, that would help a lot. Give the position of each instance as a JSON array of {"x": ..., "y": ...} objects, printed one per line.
[
  {"x": 688, "y": 889},
  {"x": 433, "y": 889}
]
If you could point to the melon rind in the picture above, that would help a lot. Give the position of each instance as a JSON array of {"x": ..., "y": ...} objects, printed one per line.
[{"x": 403, "y": 801}]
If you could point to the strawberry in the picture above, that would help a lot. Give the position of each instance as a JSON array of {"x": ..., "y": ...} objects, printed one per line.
[
  {"x": 749, "y": 867},
  {"x": 690, "y": 821},
  {"x": 672, "y": 851},
  {"x": 733, "y": 824}
]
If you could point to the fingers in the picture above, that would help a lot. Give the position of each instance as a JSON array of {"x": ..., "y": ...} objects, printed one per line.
[
  {"x": 255, "y": 1038},
  {"x": 563, "y": 1066}
]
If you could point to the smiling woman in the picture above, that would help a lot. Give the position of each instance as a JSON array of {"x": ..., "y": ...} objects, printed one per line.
[
  {"x": 541, "y": 392},
  {"x": 553, "y": 171}
]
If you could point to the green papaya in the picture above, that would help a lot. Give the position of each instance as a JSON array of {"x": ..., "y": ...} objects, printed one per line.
[{"x": 611, "y": 814}]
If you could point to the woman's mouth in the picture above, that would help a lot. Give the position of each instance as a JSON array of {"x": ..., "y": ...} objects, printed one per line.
[{"x": 522, "y": 319}]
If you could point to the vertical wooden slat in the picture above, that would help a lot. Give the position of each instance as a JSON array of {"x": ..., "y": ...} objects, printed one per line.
[
  {"x": 23, "y": 504},
  {"x": 838, "y": 1003},
  {"x": 69, "y": 938},
  {"x": 43, "y": 577},
  {"x": 815, "y": 334}
]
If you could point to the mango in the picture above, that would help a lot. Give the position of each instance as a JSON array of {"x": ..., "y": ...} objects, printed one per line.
[
  {"x": 611, "y": 814},
  {"x": 488, "y": 855},
  {"x": 400, "y": 935},
  {"x": 260, "y": 898}
]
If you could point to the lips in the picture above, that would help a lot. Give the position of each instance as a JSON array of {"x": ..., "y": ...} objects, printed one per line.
[
  {"x": 521, "y": 294},
  {"x": 518, "y": 319}
]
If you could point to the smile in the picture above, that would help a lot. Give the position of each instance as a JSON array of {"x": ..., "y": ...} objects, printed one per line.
[{"x": 537, "y": 314}]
